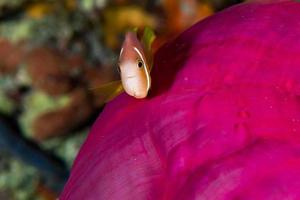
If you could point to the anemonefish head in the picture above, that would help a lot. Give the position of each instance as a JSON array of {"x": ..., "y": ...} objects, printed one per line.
[{"x": 133, "y": 67}]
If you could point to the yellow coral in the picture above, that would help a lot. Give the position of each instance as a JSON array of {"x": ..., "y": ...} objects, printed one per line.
[
  {"x": 117, "y": 20},
  {"x": 39, "y": 10}
]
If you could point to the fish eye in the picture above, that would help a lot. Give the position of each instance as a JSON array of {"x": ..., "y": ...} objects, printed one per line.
[{"x": 140, "y": 63}]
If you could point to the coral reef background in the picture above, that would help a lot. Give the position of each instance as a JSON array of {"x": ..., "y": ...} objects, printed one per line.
[{"x": 51, "y": 54}]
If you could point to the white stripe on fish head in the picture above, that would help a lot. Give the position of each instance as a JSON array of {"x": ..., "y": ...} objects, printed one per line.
[{"x": 145, "y": 67}]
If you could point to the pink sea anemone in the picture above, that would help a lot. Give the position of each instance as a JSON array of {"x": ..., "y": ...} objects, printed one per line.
[{"x": 222, "y": 120}]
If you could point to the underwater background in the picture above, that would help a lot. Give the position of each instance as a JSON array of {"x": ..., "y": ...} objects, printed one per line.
[{"x": 51, "y": 54}]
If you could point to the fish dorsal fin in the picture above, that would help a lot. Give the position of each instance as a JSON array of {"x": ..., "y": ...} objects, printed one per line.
[{"x": 108, "y": 91}]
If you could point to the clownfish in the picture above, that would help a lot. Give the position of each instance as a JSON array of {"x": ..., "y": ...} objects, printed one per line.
[{"x": 134, "y": 66}]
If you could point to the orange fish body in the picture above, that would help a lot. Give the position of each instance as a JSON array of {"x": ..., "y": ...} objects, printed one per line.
[
  {"x": 134, "y": 67},
  {"x": 135, "y": 63}
]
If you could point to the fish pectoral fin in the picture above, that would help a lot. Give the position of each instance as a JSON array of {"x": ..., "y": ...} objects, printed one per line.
[
  {"x": 147, "y": 41},
  {"x": 108, "y": 91},
  {"x": 148, "y": 38}
]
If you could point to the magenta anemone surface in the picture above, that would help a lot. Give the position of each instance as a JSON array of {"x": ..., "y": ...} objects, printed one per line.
[{"x": 222, "y": 120}]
